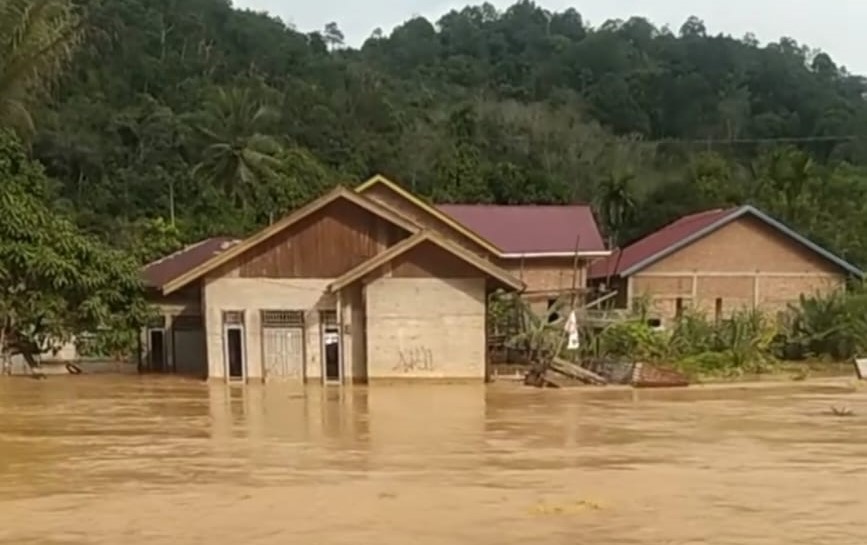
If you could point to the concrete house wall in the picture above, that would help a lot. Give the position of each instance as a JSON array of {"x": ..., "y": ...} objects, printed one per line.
[
  {"x": 252, "y": 296},
  {"x": 746, "y": 264},
  {"x": 426, "y": 328},
  {"x": 426, "y": 317}
]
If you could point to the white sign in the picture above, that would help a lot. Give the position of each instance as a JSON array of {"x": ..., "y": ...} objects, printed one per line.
[
  {"x": 571, "y": 328},
  {"x": 331, "y": 338}
]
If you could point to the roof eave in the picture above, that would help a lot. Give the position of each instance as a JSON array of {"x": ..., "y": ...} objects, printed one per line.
[
  {"x": 735, "y": 215},
  {"x": 292, "y": 218},
  {"x": 432, "y": 210}
]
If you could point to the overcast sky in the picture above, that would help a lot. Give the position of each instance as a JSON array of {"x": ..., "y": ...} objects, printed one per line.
[{"x": 835, "y": 26}]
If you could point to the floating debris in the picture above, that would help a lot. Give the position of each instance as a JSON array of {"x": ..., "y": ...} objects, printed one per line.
[
  {"x": 842, "y": 411},
  {"x": 565, "y": 509}
]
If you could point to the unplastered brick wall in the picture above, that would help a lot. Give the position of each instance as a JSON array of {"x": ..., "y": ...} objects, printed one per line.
[
  {"x": 770, "y": 293},
  {"x": 426, "y": 328},
  {"x": 746, "y": 264},
  {"x": 546, "y": 274}
]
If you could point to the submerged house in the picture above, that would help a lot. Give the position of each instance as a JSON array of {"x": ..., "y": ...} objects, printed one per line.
[
  {"x": 719, "y": 261},
  {"x": 358, "y": 285}
]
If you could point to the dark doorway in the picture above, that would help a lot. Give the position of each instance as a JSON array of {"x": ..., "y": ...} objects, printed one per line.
[
  {"x": 553, "y": 315},
  {"x": 235, "y": 353},
  {"x": 157, "y": 350},
  {"x": 332, "y": 355}
]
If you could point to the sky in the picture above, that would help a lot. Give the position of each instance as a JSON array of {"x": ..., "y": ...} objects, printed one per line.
[{"x": 830, "y": 25}]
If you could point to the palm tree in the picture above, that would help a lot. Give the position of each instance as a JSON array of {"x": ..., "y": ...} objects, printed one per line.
[
  {"x": 37, "y": 38},
  {"x": 616, "y": 204},
  {"x": 238, "y": 155}
]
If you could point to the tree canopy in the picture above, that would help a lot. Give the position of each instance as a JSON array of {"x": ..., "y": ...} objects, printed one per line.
[
  {"x": 217, "y": 120},
  {"x": 58, "y": 285}
]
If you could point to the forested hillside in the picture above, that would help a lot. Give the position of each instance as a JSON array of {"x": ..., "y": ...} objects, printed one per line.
[{"x": 176, "y": 119}]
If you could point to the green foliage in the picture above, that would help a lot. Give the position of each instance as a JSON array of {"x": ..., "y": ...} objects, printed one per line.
[
  {"x": 634, "y": 339},
  {"x": 57, "y": 283},
  {"x": 221, "y": 119},
  {"x": 152, "y": 239},
  {"x": 237, "y": 157},
  {"x": 180, "y": 120},
  {"x": 36, "y": 38},
  {"x": 743, "y": 343},
  {"x": 831, "y": 325}
]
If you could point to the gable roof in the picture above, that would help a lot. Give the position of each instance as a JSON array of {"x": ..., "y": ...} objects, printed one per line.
[
  {"x": 533, "y": 230},
  {"x": 429, "y": 209},
  {"x": 414, "y": 241},
  {"x": 289, "y": 220},
  {"x": 688, "y": 229},
  {"x": 158, "y": 273}
]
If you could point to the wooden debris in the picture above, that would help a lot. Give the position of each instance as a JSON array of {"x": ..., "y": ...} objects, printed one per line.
[
  {"x": 649, "y": 376},
  {"x": 577, "y": 372}
]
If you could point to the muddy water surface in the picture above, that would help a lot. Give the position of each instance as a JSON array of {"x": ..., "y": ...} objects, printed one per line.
[{"x": 163, "y": 461}]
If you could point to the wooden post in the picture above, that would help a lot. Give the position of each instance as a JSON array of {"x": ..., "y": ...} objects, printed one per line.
[{"x": 575, "y": 263}]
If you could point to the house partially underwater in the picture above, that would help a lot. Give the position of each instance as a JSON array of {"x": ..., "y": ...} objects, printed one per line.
[{"x": 359, "y": 285}]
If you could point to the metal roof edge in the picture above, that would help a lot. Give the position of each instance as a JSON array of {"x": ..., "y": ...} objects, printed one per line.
[
  {"x": 791, "y": 233},
  {"x": 738, "y": 213}
]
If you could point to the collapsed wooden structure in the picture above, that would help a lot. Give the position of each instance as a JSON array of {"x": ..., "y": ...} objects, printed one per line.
[{"x": 560, "y": 373}]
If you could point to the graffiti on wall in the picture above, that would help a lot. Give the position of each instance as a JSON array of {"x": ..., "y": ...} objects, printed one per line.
[{"x": 416, "y": 359}]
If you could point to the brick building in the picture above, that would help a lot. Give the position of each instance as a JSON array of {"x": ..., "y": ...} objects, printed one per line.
[{"x": 719, "y": 261}]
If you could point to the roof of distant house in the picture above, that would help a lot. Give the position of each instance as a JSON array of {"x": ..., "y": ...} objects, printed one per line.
[
  {"x": 688, "y": 229},
  {"x": 532, "y": 230},
  {"x": 162, "y": 271}
]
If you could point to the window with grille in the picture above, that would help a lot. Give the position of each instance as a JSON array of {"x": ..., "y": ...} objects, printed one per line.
[
  {"x": 233, "y": 317},
  {"x": 282, "y": 318},
  {"x": 328, "y": 318}
]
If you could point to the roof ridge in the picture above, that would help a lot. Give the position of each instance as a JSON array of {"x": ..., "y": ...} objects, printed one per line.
[{"x": 525, "y": 205}]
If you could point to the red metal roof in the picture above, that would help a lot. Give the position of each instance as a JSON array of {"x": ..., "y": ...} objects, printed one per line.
[
  {"x": 531, "y": 229},
  {"x": 162, "y": 271},
  {"x": 654, "y": 243}
]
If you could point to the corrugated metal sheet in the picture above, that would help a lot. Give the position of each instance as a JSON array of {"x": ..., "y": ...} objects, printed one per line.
[
  {"x": 655, "y": 243},
  {"x": 162, "y": 271},
  {"x": 531, "y": 229}
]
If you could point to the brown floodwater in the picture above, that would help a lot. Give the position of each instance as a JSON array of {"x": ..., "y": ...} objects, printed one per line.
[{"x": 129, "y": 460}]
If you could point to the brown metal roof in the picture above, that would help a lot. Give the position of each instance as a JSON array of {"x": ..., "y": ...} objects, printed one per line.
[
  {"x": 531, "y": 229},
  {"x": 162, "y": 271},
  {"x": 687, "y": 230},
  {"x": 654, "y": 243}
]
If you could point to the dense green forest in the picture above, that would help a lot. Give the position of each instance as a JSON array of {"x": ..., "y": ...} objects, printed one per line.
[
  {"x": 194, "y": 114},
  {"x": 129, "y": 127}
]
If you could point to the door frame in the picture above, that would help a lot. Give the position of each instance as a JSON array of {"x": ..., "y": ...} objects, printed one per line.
[
  {"x": 335, "y": 329},
  {"x": 240, "y": 327},
  {"x": 150, "y": 351},
  {"x": 183, "y": 328}
]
